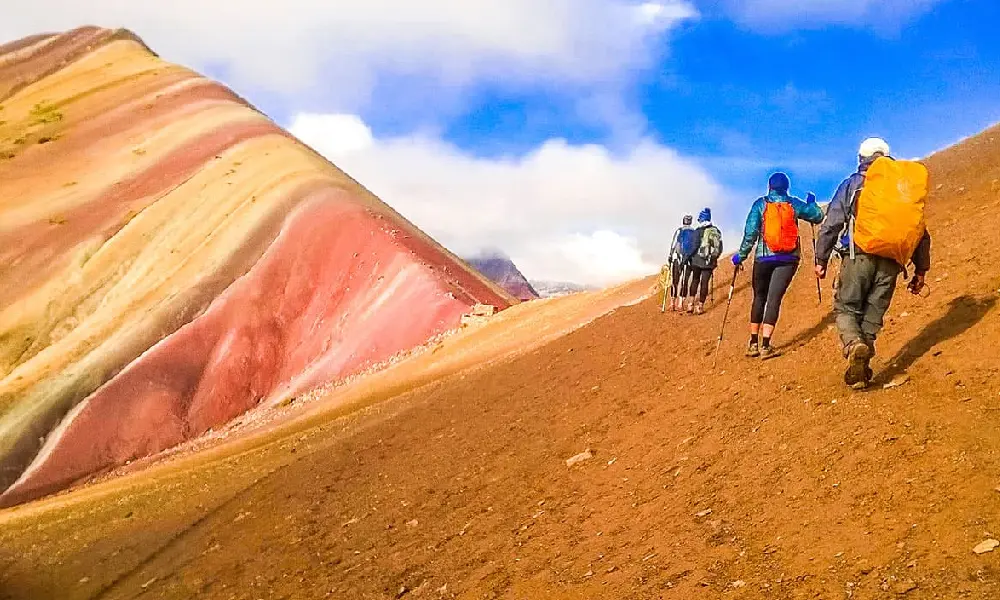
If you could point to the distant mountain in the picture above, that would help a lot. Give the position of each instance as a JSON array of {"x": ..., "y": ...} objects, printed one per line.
[
  {"x": 551, "y": 289},
  {"x": 502, "y": 270}
]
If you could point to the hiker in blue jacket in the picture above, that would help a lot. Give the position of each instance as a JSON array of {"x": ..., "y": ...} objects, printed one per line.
[
  {"x": 773, "y": 269},
  {"x": 682, "y": 248}
]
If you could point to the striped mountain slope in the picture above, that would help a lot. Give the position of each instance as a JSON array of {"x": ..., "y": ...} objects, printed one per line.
[{"x": 170, "y": 258}]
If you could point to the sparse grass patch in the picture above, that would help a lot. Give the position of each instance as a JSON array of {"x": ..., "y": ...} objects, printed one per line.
[{"x": 44, "y": 113}]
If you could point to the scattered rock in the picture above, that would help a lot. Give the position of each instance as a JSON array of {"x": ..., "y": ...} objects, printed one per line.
[
  {"x": 703, "y": 513},
  {"x": 986, "y": 546},
  {"x": 579, "y": 458},
  {"x": 403, "y": 590},
  {"x": 443, "y": 589},
  {"x": 588, "y": 574},
  {"x": 897, "y": 382},
  {"x": 612, "y": 569},
  {"x": 904, "y": 315},
  {"x": 412, "y": 523},
  {"x": 904, "y": 587},
  {"x": 84, "y": 580},
  {"x": 738, "y": 584}
]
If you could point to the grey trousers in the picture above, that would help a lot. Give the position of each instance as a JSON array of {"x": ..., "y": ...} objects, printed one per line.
[{"x": 864, "y": 294}]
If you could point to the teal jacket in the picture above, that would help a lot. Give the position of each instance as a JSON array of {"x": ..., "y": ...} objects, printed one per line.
[{"x": 806, "y": 211}]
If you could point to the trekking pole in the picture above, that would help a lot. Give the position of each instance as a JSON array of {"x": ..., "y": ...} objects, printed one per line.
[
  {"x": 665, "y": 282},
  {"x": 711, "y": 286},
  {"x": 725, "y": 317},
  {"x": 819, "y": 285}
]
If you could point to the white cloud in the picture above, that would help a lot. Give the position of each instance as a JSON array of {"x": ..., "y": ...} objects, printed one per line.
[
  {"x": 597, "y": 258},
  {"x": 344, "y": 47},
  {"x": 782, "y": 15},
  {"x": 562, "y": 212}
]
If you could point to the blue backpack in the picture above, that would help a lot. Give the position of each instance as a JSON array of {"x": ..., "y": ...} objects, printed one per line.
[{"x": 687, "y": 243}]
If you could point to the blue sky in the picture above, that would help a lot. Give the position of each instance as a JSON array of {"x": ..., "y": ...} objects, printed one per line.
[
  {"x": 745, "y": 102},
  {"x": 573, "y": 134}
]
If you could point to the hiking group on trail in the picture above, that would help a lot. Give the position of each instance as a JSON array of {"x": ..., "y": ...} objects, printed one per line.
[
  {"x": 694, "y": 256},
  {"x": 874, "y": 223}
]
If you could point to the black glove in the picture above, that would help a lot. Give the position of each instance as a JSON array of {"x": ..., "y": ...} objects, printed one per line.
[{"x": 916, "y": 284}]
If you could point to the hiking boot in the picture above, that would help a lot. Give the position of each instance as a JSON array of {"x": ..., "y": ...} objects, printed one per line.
[
  {"x": 768, "y": 352},
  {"x": 858, "y": 372},
  {"x": 690, "y": 307},
  {"x": 753, "y": 350},
  {"x": 699, "y": 309},
  {"x": 673, "y": 305}
]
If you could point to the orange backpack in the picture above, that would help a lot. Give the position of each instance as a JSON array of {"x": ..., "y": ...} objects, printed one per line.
[
  {"x": 889, "y": 214},
  {"x": 781, "y": 228}
]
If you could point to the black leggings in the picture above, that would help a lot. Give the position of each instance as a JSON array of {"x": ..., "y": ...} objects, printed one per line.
[
  {"x": 770, "y": 282},
  {"x": 698, "y": 282}
]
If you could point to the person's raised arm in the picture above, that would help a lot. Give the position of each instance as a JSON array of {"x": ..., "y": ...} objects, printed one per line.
[
  {"x": 833, "y": 225},
  {"x": 751, "y": 232}
]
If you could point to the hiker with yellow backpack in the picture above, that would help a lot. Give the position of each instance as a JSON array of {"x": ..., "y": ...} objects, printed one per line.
[
  {"x": 876, "y": 223},
  {"x": 773, "y": 226}
]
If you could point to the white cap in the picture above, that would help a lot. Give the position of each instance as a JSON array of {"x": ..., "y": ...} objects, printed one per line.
[{"x": 873, "y": 146}]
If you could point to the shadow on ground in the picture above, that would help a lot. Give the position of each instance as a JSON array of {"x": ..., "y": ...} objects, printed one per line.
[
  {"x": 963, "y": 313},
  {"x": 807, "y": 336}
]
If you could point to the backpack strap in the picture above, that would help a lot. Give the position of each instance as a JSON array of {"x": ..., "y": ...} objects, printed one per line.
[{"x": 852, "y": 211}]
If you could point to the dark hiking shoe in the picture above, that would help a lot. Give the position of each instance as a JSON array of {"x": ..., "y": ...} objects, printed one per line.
[
  {"x": 857, "y": 373},
  {"x": 753, "y": 350},
  {"x": 767, "y": 353}
]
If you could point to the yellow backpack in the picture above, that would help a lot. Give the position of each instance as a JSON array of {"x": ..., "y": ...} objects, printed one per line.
[{"x": 889, "y": 213}]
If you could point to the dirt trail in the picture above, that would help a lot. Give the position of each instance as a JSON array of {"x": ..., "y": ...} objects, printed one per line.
[{"x": 764, "y": 480}]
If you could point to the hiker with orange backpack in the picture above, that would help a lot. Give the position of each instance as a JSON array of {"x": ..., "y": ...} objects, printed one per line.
[
  {"x": 876, "y": 223},
  {"x": 773, "y": 226}
]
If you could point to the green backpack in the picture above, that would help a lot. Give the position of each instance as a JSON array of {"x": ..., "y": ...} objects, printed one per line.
[{"x": 710, "y": 248}]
